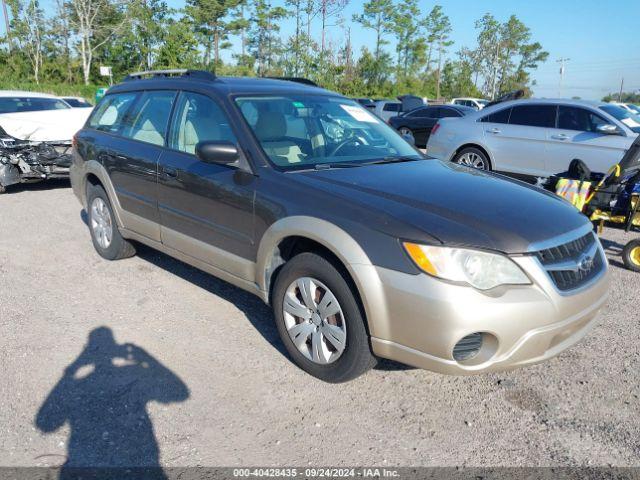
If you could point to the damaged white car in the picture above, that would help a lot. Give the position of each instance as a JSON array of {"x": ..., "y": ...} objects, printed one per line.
[{"x": 35, "y": 136}]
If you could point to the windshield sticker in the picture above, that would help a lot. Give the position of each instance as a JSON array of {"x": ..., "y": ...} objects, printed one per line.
[
  {"x": 359, "y": 114},
  {"x": 298, "y": 104},
  {"x": 630, "y": 122}
]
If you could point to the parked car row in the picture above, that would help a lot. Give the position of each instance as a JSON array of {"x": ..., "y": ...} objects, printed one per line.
[
  {"x": 418, "y": 123},
  {"x": 537, "y": 138}
]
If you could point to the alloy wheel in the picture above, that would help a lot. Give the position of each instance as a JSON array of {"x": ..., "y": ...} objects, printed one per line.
[
  {"x": 314, "y": 320},
  {"x": 101, "y": 223},
  {"x": 472, "y": 159}
]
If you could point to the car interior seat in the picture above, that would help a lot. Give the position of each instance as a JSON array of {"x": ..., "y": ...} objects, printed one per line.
[
  {"x": 150, "y": 129},
  {"x": 271, "y": 129}
]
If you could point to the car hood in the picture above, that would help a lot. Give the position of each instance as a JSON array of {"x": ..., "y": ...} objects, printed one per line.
[
  {"x": 46, "y": 125},
  {"x": 454, "y": 204}
]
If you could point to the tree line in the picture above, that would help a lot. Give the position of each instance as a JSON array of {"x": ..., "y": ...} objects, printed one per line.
[{"x": 411, "y": 50}]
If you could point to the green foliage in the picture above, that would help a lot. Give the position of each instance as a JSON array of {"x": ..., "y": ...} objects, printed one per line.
[
  {"x": 626, "y": 97},
  {"x": 60, "y": 89},
  {"x": 409, "y": 52}
]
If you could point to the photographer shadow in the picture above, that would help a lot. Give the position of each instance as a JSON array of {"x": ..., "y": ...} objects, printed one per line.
[{"x": 103, "y": 397}]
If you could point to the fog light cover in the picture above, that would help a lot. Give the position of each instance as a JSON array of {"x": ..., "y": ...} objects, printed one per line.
[{"x": 468, "y": 347}]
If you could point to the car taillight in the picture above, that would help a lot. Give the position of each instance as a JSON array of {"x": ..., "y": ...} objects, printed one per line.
[{"x": 435, "y": 128}]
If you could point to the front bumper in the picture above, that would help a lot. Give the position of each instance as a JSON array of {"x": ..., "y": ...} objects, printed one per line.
[{"x": 417, "y": 319}]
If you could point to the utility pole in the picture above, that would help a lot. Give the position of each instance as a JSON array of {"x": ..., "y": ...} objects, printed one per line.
[
  {"x": 495, "y": 71},
  {"x": 561, "y": 61},
  {"x": 621, "y": 87},
  {"x": 6, "y": 24}
]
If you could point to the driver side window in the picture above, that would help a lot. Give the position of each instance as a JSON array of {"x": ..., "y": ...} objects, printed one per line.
[{"x": 198, "y": 118}]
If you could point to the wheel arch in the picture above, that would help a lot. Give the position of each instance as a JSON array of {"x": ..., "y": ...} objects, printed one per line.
[
  {"x": 95, "y": 174},
  {"x": 293, "y": 235},
  {"x": 473, "y": 145}
]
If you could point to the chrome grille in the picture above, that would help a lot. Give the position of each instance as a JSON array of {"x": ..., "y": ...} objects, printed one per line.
[{"x": 573, "y": 264}]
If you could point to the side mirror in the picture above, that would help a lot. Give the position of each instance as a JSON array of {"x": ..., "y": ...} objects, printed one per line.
[
  {"x": 223, "y": 153},
  {"x": 607, "y": 129}
]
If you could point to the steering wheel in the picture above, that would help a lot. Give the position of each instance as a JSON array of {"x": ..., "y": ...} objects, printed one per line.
[{"x": 344, "y": 143}]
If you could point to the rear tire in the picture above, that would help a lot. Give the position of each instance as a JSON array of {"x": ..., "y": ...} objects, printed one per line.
[
  {"x": 106, "y": 237},
  {"x": 343, "y": 352},
  {"x": 473, "y": 157},
  {"x": 631, "y": 255}
]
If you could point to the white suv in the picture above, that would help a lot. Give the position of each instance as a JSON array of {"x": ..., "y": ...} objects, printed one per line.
[
  {"x": 536, "y": 137},
  {"x": 477, "y": 103}
]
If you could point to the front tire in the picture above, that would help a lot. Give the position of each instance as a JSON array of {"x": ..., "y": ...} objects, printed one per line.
[
  {"x": 319, "y": 320},
  {"x": 106, "y": 237},
  {"x": 473, "y": 157},
  {"x": 631, "y": 255}
]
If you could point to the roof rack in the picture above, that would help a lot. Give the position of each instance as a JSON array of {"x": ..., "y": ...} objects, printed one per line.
[
  {"x": 304, "y": 81},
  {"x": 178, "y": 72}
]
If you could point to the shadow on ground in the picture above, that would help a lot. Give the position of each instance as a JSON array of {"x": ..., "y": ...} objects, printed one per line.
[
  {"x": 52, "y": 184},
  {"x": 103, "y": 396}
]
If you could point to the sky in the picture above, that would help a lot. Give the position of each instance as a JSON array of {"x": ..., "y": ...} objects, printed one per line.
[{"x": 601, "y": 39}]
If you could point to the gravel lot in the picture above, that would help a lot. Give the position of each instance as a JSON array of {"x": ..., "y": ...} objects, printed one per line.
[{"x": 214, "y": 387}]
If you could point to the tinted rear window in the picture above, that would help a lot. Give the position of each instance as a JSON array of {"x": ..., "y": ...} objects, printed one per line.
[
  {"x": 501, "y": 116},
  {"x": 533, "y": 115},
  {"x": 423, "y": 112},
  {"x": 391, "y": 107},
  {"x": 448, "y": 112}
]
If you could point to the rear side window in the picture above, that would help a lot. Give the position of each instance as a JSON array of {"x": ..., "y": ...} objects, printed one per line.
[
  {"x": 149, "y": 120},
  {"x": 448, "y": 112},
  {"x": 501, "y": 116},
  {"x": 110, "y": 112},
  {"x": 580, "y": 119},
  {"x": 391, "y": 107},
  {"x": 198, "y": 118},
  {"x": 533, "y": 115},
  {"x": 422, "y": 113}
]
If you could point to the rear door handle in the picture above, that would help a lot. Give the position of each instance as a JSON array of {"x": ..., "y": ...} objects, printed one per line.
[
  {"x": 560, "y": 136},
  {"x": 495, "y": 130}
]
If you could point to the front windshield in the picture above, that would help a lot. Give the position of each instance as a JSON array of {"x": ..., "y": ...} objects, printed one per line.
[
  {"x": 30, "y": 104},
  {"x": 630, "y": 120},
  {"x": 306, "y": 131}
]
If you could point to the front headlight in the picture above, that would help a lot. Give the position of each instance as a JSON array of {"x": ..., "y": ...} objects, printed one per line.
[{"x": 481, "y": 270}]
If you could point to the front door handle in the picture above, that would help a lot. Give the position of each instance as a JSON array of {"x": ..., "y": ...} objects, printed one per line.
[
  {"x": 170, "y": 172},
  {"x": 495, "y": 130},
  {"x": 560, "y": 136}
]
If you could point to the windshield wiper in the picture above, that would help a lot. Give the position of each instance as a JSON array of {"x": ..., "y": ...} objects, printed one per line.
[
  {"x": 394, "y": 159},
  {"x": 378, "y": 161},
  {"x": 328, "y": 166}
]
